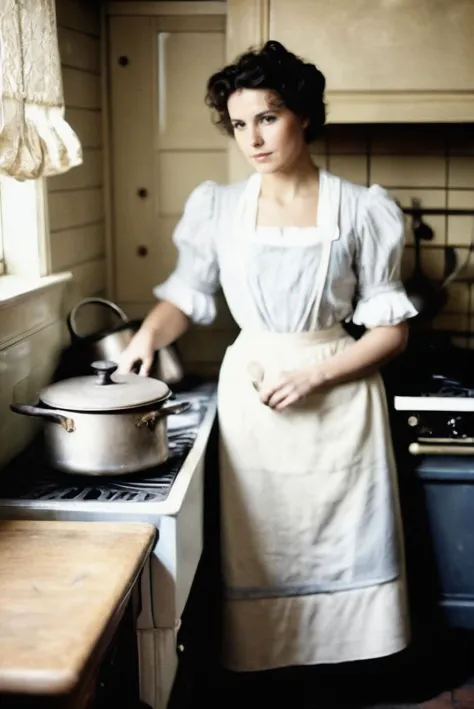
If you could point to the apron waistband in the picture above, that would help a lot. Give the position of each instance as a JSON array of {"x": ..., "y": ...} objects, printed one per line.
[{"x": 318, "y": 336}]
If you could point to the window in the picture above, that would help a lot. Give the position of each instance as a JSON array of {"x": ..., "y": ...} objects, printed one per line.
[
  {"x": 23, "y": 229},
  {"x": 25, "y": 280},
  {"x": 2, "y": 262}
]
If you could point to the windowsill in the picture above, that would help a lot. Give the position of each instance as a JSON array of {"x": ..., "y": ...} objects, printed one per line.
[
  {"x": 28, "y": 305},
  {"x": 14, "y": 289}
]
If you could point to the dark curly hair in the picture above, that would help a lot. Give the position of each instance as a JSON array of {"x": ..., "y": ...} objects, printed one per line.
[{"x": 299, "y": 85}]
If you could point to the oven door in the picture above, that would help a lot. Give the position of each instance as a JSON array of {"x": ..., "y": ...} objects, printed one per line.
[
  {"x": 447, "y": 487},
  {"x": 436, "y": 432}
]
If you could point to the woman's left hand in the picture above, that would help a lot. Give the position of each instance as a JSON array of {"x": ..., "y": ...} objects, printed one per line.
[{"x": 291, "y": 387}]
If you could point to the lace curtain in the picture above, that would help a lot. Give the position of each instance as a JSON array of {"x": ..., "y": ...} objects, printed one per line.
[{"x": 35, "y": 140}]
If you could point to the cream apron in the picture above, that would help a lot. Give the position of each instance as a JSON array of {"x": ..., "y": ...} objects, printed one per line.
[{"x": 311, "y": 532}]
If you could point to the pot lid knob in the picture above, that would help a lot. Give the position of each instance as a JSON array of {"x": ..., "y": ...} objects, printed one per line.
[{"x": 104, "y": 370}]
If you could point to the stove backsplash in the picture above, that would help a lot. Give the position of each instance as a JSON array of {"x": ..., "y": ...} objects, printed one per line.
[{"x": 433, "y": 163}]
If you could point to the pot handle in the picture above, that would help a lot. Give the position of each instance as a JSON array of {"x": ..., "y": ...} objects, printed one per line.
[
  {"x": 150, "y": 418},
  {"x": 49, "y": 414},
  {"x": 71, "y": 318}
]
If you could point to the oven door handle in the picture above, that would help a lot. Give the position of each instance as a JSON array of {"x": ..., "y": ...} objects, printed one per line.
[{"x": 433, "y": 449}]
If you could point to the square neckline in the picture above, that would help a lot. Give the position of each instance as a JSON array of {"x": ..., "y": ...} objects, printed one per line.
[{"x": 292, "y": 228}]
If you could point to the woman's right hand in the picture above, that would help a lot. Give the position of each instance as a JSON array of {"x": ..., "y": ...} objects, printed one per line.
[
  {"x": 141, "y": 349},
  {"x": 164, "y": 324}
]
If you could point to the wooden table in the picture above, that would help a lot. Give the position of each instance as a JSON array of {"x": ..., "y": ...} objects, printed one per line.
[{"x": 64, "y": 589}]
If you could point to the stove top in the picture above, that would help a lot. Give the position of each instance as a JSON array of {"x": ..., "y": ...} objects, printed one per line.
[
  {"x": 29, "y": 477},
  {"x": 449, "y": 388},
  {"x": 440, "y": 394},
  {"x": 435, "y": 373}
]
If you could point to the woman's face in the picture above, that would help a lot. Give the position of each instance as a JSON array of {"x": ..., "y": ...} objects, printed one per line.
[{"x": 268, "y": 134}]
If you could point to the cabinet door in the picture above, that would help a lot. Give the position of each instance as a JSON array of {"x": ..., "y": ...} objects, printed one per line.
[
  {"x": 163, "y": 143},
  {"x": 380, "y": 45},
  {"x": 413, "y": 55}
]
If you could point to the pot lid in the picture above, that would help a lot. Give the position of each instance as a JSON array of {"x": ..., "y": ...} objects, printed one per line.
[{"x": 104, "y": 392}]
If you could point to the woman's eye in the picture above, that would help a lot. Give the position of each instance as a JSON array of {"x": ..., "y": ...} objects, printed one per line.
[
  {"x": 238, "y": 125},
  {"x": 268, "y": 119}
]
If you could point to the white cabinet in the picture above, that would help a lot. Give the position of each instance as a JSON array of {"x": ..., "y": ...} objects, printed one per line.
[
  {"x": 163, "y": 143},
  {"x": 384, "y": 60}
]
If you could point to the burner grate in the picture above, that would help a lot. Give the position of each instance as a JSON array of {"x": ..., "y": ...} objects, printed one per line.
[{"x": 445, "y": 387}]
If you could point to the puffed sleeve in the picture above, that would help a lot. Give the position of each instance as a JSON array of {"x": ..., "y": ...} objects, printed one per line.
[
  {"x": 382, "y": 299},
  {"x": 195, "y": 280}
]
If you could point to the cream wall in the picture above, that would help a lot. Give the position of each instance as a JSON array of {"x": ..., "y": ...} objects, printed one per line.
[
  {"x": 76, "y": 199},
  {"x": 76, "y": 215}
]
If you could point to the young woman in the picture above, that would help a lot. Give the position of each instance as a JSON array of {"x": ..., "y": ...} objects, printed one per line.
[{"x": 312, "y": 553}]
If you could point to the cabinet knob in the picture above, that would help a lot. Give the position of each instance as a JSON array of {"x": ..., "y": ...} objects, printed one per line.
[
  {"x": 142, "y": 192},
  {"x": 123, "y": 60},
  {"x": 142, "y": 251}
]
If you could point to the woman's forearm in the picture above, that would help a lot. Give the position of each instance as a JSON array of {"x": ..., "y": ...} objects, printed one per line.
[
  {"x": 358, "y": 360},
  {"x": 375, "y": 348},
  {"x": 165, "y": 323}
]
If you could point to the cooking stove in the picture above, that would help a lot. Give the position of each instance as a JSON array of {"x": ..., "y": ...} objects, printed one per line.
[
  {"x": 31, "y": 479},
  {"x": 440, "y": 419},
  {"x": 435, "y": 430},
  {"x": 432, "y": 391},
  {"x": 170, "y": 496},
  {"x": 433, "y": 397},
  {"x": 441, "y": 394}
]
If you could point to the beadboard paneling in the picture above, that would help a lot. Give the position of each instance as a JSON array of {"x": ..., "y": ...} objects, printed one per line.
[
  {"x": 89, "y": 278},
  {"x": 79, "y": 50},
  {"x": 87, "y": 124},
  {"x": 73, "y": 208},
  {"x": 73, "y": 246},
  {"x": 88, "y": 175},
  {"x": 81, "y": 88},
  {"x": 79, "y": 15}
]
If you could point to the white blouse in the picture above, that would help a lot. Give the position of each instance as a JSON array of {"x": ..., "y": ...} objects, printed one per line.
[{"x": 278, "y": 266}]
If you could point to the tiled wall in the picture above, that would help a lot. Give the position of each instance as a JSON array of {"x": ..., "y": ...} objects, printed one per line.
[
  {"x": 75, "y": 203},
  {"x": 433, "y": 163}
]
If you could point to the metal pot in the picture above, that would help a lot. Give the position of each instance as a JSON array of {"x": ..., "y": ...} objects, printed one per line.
[
  {"x": 110, "y": 343},
  {"x": 99, "y": 425}
]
